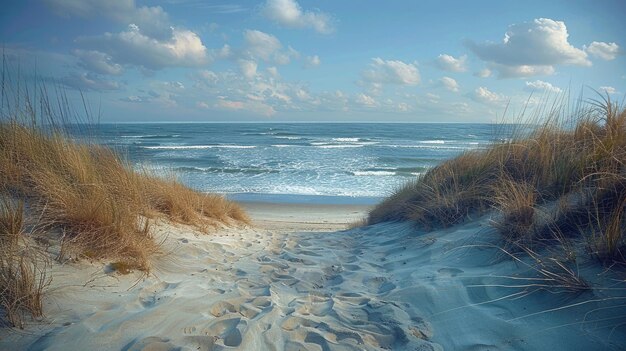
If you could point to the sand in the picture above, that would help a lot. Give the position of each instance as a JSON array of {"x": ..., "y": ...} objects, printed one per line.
[{"x": 296, "y": 281}]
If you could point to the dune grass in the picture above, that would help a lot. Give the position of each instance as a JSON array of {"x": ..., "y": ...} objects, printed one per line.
[
  {"x": 23, "y": 276},
  {"x": 94, "y": 198},
  {"x": 565, "y": 180},
  {"x": 80, "y": 195},
  {"x": 90, "y": 198}
]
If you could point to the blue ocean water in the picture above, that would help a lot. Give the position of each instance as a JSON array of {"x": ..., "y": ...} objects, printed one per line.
[{"x": 266, "y": 160}]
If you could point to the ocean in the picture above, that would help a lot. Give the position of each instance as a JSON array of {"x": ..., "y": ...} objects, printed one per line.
[{"x": 294, "y": 162}]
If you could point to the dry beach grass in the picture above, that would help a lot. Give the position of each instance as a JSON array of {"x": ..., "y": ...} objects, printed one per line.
[
  {"x": 560, "y": 182},
  {"x": 83, "y": 196}
]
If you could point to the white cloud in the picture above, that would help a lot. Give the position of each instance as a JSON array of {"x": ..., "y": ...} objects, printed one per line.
[
  {"x": 483, "y": 95},
  {"x": 449, "y": 84},
  {"x": 261, "y": 45},
  {"x": 312, "y": 61},
  {"x": 203, "y": 105},
  {"x": 540, "y": 85},
  {"x": 483, "y": 73},
  {"x": 273, "y": 71},
  {"x": 266, "y": 47},
  {"x": 449, "y": 63},
  {"x": 208, "y": 77},
  {"x": 522, "y": 71},
  {"x": 433, "y": 98},
  {"x": 225, "y": 52},
  {"x": 88, "y": 82},
  {"x": 608, "y": 90},
  {"x": 184, "y": 48},
  {"x": 247, "y": 68},
  {"x": 365, "y": 100},
  {"x": 531, "y": 48},
  {"x": 605, "y": 51},
  {"x": 252, "y": 106},
  {"x": 98, "y": 62},
  {"x": 289, "y": 13},
  {"x": 403, "y": 107},
  {"x": 392, "y": 72},
  {"x": 153, "y": 21}
]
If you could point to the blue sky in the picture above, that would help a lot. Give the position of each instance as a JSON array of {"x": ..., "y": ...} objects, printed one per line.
[{"x": 288, "y": 60}]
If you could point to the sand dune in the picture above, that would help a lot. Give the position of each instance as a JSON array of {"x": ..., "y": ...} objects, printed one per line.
[{"x": 387, "y": 286}]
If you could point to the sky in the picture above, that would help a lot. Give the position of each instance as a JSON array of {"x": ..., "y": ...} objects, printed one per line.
[{"x": 304, "y": 60}]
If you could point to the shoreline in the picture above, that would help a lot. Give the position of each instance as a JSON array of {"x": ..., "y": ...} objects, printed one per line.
[{"x": 304, "y": 217}]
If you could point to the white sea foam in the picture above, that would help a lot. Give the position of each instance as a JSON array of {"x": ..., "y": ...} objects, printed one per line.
[
  {"x": 432, "y": 142},
  {"x": 140, "y": 136},
  {"x": 287, "y": 137},
  {"x": 339, "y": 146},
  {"x": 197, "y": 147},
  {"x": 428, "y": 147},
  {"x": 282, "y": 145},
  {"x": 373, "y": 173},
  {"x": 346, "y": 139}
]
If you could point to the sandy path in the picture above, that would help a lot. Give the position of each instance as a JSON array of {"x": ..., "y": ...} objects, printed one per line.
[{"x": 381, "y": 287}]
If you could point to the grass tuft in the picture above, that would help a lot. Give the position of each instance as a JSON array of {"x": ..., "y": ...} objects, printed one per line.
[
  {"x": 80, "y": 191},
  {"x": 566, "y": 179}
]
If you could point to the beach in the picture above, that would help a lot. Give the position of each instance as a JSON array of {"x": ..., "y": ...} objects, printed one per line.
[
  {"x": 278, "y": 175},
  {"x": 298, "y": 279}
]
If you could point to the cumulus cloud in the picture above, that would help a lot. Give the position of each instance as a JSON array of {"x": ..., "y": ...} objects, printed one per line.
[
  {"x": 261, "y": 45},
  {"x": 312, "y": 61},
  {"x": 483, "y": 73},
  {"x": 202, "y": 105},
  {"x": 247, "y": 68},
  {"x": 609, "y": 90},
  {"x": 485, "y": 96},
  {"x": 289, "y": 14},
  {"x": 522, "y": 71},
  {"x": 266, "y": 47},
  {"x": 252, "y": 106},
  {"x": 98, "y": 62},
  {"x": 132, "y": 47},
  {"x": 449, "y": 84},
  {"x": 452, "y": 64},
  {"x": 273, "y": 71},
  {"x": 89, "y": 82},
  {"x": 392, "y": 72},
  {"x": 365, "y": 100},
  {"x": 531, "y": 48},
  {"x": 540, "y": 85},
  {"x": 605, "y": 51},
  {"x": 153, "y": 21}
]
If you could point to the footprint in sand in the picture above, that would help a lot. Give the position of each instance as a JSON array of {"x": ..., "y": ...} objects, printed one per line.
[
  {"x": 318, "y": 305},
  {"x": 150, "y": 343},
  {"x": 150, "y": 296},
  {"x": 379, "y": 285},
  {"x": 228, "y": 331}
]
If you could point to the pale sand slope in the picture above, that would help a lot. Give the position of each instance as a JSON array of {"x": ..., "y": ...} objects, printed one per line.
[{"x": 382, "y": 287}]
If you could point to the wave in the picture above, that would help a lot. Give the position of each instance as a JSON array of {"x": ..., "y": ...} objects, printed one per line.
[
  {"x": 198, "y": 147},
  {"x": 373, "y": 173},
  {"x": 346, "y": 139},
  {"x": 282, "y": 145},
  {"x": 151, "y": 136},
  {"x": 432, "y": 147},
  {"x": 400, "y": 171},
  {"x": 433, "y": 142},
  {"x": 338, "y": 146},
  {"x": 225, "y": 170},
  {"x": 288, "y": 137}
]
